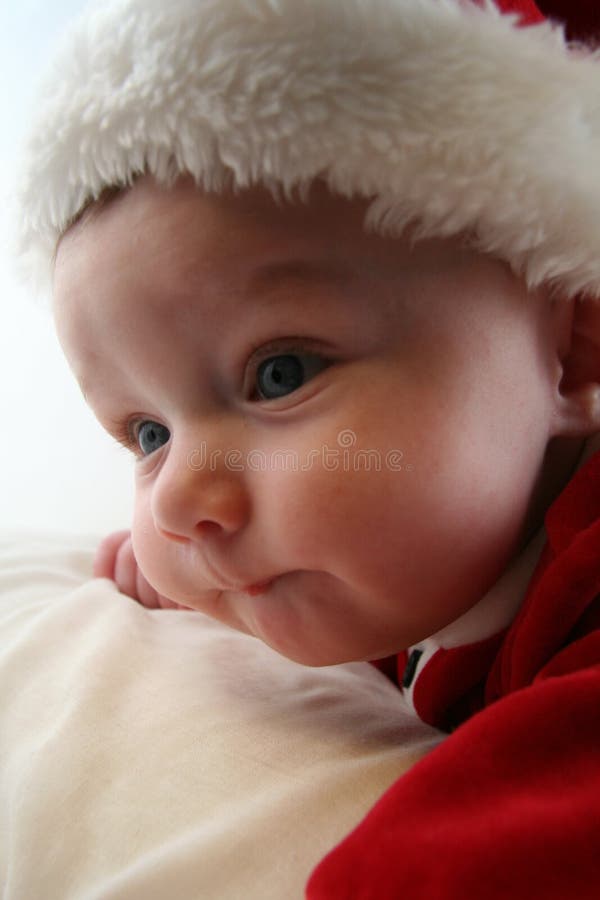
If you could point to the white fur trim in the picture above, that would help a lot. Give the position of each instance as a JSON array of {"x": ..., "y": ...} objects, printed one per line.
[{"x": 446, "y": 113}]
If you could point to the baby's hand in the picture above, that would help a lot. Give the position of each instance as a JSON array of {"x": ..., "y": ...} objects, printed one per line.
[{"x": 115, "y": 560}]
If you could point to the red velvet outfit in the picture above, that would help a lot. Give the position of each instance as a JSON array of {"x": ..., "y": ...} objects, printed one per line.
[{"x": 508, "y": 806}]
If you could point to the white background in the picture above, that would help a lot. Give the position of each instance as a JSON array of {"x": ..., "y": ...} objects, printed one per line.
[{"x": 58, "y": 471}]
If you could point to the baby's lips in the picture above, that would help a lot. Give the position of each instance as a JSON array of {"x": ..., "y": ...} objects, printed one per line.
[{"x": 259, "y": 588}]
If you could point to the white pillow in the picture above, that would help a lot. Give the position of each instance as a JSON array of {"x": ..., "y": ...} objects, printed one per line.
[{"x": 152, "y": 754}]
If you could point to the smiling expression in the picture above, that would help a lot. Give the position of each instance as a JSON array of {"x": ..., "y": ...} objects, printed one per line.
[{"x": 337, "y": 435}]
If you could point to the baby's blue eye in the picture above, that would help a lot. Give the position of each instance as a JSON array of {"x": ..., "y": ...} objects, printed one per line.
[
  {"x": 151, "y": 436},
  {"x": 278, "y": 376}
]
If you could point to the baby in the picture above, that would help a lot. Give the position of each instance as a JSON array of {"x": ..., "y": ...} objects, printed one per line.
[
  {"x": 342, "y": 313},
  {"x": 228, "y": 342}
]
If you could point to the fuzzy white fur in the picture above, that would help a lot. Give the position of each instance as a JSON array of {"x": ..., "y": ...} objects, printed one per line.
[{"x": 447, "y": 114}]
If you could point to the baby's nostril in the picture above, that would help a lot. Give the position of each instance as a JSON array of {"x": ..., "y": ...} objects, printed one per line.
[{"x": 207, "y": 527}]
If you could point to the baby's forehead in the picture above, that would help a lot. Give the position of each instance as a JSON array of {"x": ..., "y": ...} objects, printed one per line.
[
  {"x": 181, "y": 261},
  {"x": 312, "y": 237},
  {"x": 178, "y": 261}
]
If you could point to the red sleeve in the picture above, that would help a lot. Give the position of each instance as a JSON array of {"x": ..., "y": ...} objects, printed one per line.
[{"x": 507, "y": 806}]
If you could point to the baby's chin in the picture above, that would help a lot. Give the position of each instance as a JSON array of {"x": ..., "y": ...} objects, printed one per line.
[{"x": 310, "y": 617}]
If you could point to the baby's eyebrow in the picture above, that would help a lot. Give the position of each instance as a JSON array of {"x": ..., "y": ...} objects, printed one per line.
[{"x": 298, "y": 271}]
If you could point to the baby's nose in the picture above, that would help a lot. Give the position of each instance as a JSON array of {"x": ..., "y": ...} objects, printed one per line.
[{"x": 194, "y": 496}]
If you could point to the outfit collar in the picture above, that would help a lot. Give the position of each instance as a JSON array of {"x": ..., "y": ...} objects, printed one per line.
[{"x": 463, "y": 651}]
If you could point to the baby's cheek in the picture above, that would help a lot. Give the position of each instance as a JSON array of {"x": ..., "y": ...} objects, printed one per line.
[{"x": 315, "y": 508}]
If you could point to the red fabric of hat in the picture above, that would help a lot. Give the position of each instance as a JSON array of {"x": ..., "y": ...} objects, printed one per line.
[
  {"x": 581, "y": 17},
  {"x": 526, "y": 9}
]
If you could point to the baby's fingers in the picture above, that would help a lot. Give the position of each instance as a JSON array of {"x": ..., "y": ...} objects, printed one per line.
[
  {"x": 115, "y": 559},
  {"x": 145, "y": 593},
  {"x": 126, "y": 570},
  {"x": 106, "y": 554},
  {"x": 131, "y": 581}
]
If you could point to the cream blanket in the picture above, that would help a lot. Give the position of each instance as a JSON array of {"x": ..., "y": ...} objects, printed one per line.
[{"x": 154, "y": 754}]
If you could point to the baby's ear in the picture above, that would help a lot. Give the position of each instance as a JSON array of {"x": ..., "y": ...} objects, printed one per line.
[{"x": 578, "y": 400}]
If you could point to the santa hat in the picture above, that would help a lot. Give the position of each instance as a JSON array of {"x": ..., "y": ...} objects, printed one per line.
[{"x": 454, "y": 116}]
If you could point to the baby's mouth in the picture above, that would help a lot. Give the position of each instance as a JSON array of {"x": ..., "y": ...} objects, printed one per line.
[{"x": 259, "y": 588}]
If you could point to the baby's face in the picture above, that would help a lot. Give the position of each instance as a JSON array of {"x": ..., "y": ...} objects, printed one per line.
[{"x": 337, "y": 438}]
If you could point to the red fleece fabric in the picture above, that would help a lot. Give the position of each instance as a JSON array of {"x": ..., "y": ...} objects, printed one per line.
[{"x": 509, "y": 804}]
